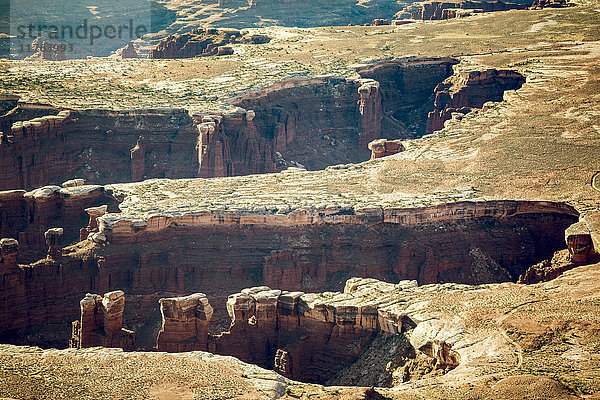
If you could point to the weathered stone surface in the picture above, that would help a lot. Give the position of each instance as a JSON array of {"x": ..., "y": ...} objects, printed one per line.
[
  {"x": 203, "y": 42},
  {"x": 436, "y": 10},
  {"x": 383, "y": 148},
  {"x": 467, "y": 90},
  {"x": 55, "y": 145},
  {"x": 53, "y": 236},
  {"x": 185, "y": 322},
  {"x": 101, "y": 323},
  {"x": 9, "y": 253},
  {"x": 128, "y": 51}
]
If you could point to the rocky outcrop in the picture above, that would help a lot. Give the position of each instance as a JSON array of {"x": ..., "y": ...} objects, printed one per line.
[
  {"x": 185, "y": 322},
  {"x": 467, "y": 90},
  {"x": 203, "y": 42},
  {"x": 406, "y": 87},
  {"x": 101, "y": 323},
  {"x": 92, "y": 226},
  {"x": 27, "y": 216},
  {"x": 88, "y": 143},
  {"x": 301, "y": 336},
  {"x": 383, "y": 148},
  {"x": 53, "y": 236},
  {"x": 436, "y": 10},
  {"x": 128, "y": 51}
]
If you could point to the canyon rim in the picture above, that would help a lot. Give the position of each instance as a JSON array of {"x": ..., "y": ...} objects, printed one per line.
[{"x": 297, "y": 200}]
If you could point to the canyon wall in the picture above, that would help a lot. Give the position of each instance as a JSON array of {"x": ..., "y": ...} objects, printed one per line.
[
  {"x": 467, "y": 90},
  {"x": 26, "y": 216},
  {"x": 436, "y": 10},
  {"x": 407, "y": 93},
  {"x": 308, "y": 122},
  {"x": 470, "y": 242},
  {"x": 95, "y": 145}
]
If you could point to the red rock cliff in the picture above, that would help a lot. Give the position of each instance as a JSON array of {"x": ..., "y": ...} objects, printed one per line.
[{"x": 467, "y": 90}]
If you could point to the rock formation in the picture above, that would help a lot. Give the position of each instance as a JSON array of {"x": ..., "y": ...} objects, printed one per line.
[
  {"x": 28, "y": 215},
  {"x": 314, "y": 249},
  {"x": 138, "y": 161},
  {"x": 579, "y": 242},
  {"x": 128, "y": 51},
  {"x": 9, "y": 253},
  {"x": 203, "y": 42},
  {"x": 436, "y": 10},
  {"x": 406, "y": 88},
  {"x": 53, "y": 148},
  {"x": 101, "y": 323},
  {"x": 580, "y": 251},
  {"x": 92, "y": 226},
  {"x": 296, "y": 334},
  {"x": 383, "y": 148},
  {"x": 467, "y": 90},
  {"x": 185, "y": 323},
  {"x": 370, "y": 108},
  {"x": 312, "y": 122},
  {"x": 53, "y": 242}
]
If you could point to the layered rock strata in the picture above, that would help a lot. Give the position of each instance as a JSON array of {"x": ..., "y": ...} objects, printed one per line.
[
  {"x": 89, "y": 143},
  {"x": 467, "y": 90},
  {"x": 300, "y": 336},
  {"x": 101, "y": 323},
  {"x": 185, "y": 322},
  {"x": 305, "y": 337},
  {"x": 203, "y": 42},
  {"x": 309, "y": 122},
  {"x": 383, "y": 148},
  {"x": 437, "y": 10},
  {"x": 318, "y": 249},
  {"x": 26, "y": 216}
]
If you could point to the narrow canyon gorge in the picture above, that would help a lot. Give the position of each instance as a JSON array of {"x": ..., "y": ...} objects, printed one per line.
[{"x": 304, "y": 122}]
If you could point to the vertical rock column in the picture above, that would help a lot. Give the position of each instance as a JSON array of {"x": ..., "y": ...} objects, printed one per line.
[
  {"x": 185, "y": 323},
  {"x": 101, "y": 323},
  {"x": 52, "y": 241},
  {"x": 213, "y": 152},
  {"x": 9, "y": 252},
  {"x": 371, "y": 111},
  {"x": 92, "y": 227},
  {"x": 138, "y": 161}
]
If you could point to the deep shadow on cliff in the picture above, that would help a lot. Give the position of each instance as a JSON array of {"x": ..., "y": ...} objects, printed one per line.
[
  {"x": 308, "y": 122},
  {"x": 176, "y": 258}
]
